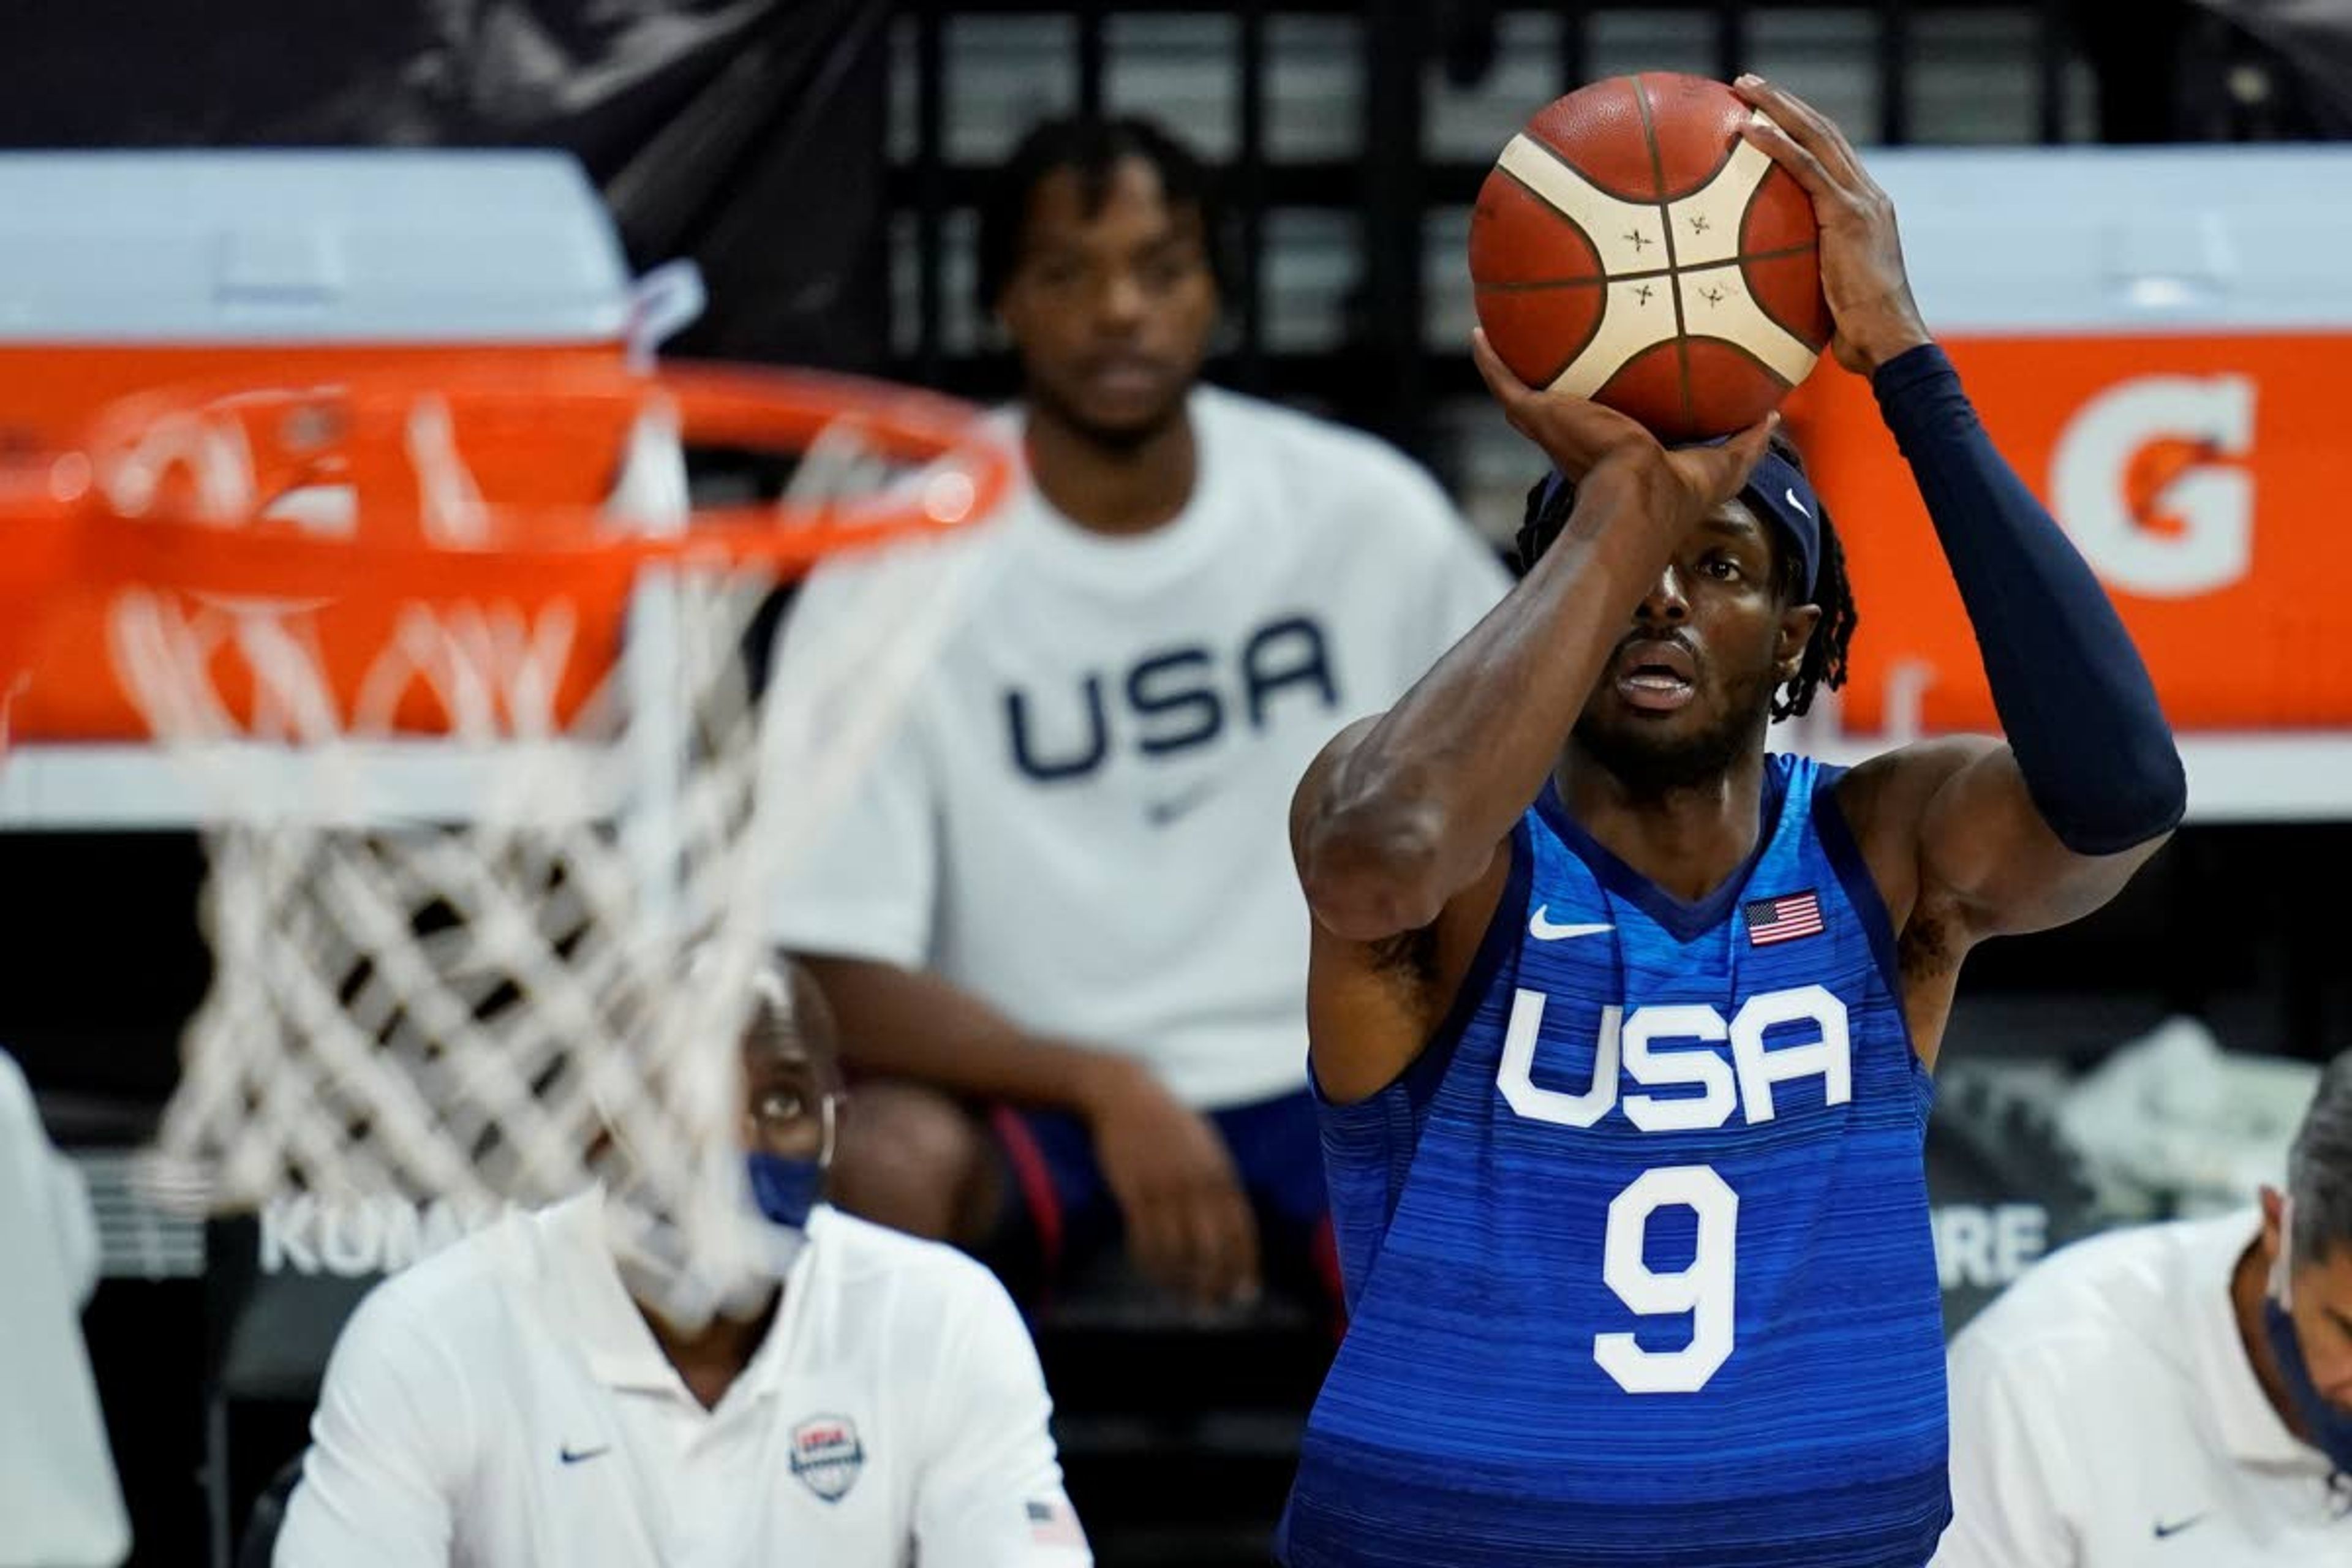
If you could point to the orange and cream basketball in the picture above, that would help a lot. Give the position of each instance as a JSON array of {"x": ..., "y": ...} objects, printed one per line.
[{"x": 1631, "y": 247}]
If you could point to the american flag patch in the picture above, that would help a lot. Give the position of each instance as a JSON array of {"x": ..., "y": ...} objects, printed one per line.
[
  {"x": 1051, "y": 1523},
  {"x": 1784, "y": 919}
]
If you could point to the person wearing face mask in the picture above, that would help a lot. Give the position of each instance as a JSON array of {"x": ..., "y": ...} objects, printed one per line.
[
  {"x": 2171, "y": 1394},
  {"x": 846, "y": 1395}
]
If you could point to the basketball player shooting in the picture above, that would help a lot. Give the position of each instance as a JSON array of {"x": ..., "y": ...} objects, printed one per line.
[{"x": 1624, "y": 1025}]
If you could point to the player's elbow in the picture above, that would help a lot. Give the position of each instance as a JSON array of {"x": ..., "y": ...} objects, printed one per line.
[
  {"x": 1373, "y": 871},
  {"x": 2155, "y": 796},
  {"x": 2143, "y": 794}
]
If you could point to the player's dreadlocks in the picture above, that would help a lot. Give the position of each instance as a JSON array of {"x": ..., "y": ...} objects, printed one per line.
[{"x": 1824, "y": 660}]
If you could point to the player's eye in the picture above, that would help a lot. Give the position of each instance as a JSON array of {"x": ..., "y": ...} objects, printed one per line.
[{"x": 1722, "y": 568}]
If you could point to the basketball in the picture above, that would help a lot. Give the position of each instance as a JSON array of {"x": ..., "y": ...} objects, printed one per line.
[{"x": 1630, "y": 246}]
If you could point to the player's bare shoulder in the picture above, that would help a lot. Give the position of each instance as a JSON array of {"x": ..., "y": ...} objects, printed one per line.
[{"x": 1885, "y": 802}]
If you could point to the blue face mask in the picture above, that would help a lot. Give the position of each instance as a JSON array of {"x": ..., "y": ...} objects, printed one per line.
[
  {"x": 785, "y": 1190},
  {"x": 2331, "y": 1428}
]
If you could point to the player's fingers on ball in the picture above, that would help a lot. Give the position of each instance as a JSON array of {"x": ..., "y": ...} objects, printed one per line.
[
  {"x": 1725, "y": 467},
  {"x": 1804, "y": 124},
  {"x": 1805, "y": 130},
  {"x": 1747, "y": 449},
  {"x": 1507, "y": 388},
  {"x": 1785, "y": 150},
  {"x": 1826, "y": 138},
  {"x": 1785, "y": 110},
  {"x": 1790, "y": 154}
]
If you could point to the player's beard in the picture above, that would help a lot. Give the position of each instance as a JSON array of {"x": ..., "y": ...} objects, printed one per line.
[{"x": 1651, "y": 765}]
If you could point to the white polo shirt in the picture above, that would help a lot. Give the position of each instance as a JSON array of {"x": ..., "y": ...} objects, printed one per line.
[
  {"x": 1084, "y": 818},
  {"x": 502, "y": 1405},
  {"x": 2104, "y": 1414}
]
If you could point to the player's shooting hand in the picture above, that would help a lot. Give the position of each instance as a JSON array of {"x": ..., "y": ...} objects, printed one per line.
[
  {"x": 1189, "y": 1227},
  {"x": 1680, "y": 484},
  {"x": 1862, "y": 254}
]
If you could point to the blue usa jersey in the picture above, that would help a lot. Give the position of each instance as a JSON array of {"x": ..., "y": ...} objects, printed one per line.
[{"x": 1637, "y": 1255}]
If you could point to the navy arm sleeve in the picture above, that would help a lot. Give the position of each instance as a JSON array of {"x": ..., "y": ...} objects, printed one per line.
[{"x": 2080, "y": 712}]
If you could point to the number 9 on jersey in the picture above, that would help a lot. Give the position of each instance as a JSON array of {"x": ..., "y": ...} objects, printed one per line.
[{"x": 1703, "y": 1288}]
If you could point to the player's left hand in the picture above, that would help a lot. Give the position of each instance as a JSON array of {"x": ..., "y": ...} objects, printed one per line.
[{"x": 1863, "y": 277}]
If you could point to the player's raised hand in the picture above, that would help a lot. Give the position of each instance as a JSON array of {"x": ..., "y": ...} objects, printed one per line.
[
  {"x": 1581, "y": 437},
  {"x": 1863, "y": 277},
  {"x": 1189, "y": 1227}
]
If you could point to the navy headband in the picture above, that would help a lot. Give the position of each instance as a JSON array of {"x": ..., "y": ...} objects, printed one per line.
[{"x": 1776, "y": 493}]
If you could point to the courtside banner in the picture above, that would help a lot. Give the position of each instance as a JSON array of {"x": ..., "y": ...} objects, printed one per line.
[{"x": 2206, "y": 479}]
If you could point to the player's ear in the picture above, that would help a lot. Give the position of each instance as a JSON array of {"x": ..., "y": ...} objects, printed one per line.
[
  {"x": 2274, "y": 1221},
  {"x": 1797, "y": 624}
]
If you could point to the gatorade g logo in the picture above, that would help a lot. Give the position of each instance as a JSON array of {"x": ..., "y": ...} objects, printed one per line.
[{"x": 2149, "y": 482}]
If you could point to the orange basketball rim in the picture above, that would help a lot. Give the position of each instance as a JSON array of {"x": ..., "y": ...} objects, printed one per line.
[{"x": 520, "y": 484}]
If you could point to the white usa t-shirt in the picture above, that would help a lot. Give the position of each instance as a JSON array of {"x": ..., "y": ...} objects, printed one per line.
[
  {"x": 2104, "y": 1414},
  {"x": 1083, "y": 818},
  {"x": 502, "y": 1405}
]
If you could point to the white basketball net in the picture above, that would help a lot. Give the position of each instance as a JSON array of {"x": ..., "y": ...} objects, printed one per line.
[{"x": 457, "y": 968}]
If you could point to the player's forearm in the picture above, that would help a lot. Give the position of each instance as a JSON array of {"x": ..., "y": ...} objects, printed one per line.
[
  {"x": 1412, "y": 815},
  {"x": 904, "y": 1023},
  {"x": 2081, "y": 714}
]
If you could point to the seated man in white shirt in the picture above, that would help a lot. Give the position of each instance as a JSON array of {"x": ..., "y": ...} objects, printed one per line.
[
  {"x": 1057, "y": 920},
  {"x": 863, "y": 1400},
  {"x": 2172, "y": 1394}
]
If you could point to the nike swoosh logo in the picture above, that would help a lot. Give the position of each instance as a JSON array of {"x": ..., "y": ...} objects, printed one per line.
[
  {"x": 1543, "y": 930},
  {"x": 573, "y": 1456},
  {"x": 1798, "y": 504},
  {"x": 2164, "y": 1530},
  {"x": 1161, "y": 812}
]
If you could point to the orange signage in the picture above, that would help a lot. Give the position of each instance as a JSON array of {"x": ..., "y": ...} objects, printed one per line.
[{"x": 2205, "y": 480}]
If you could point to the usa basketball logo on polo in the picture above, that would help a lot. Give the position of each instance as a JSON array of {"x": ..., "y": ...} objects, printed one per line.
[{"x": 827, "y": 1455}]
